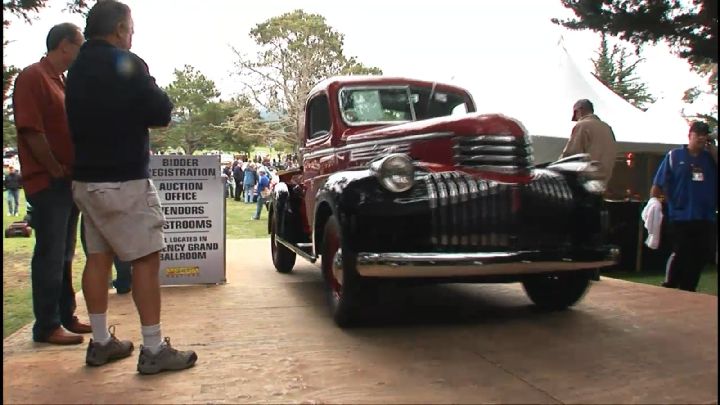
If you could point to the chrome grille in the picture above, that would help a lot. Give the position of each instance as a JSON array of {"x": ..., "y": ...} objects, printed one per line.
[
  {"x": 471, "y": 212},
  {"x": 370, "y": 152},
  {"x": 550, "y": 189},
  {"x": 499, "y": 153}
]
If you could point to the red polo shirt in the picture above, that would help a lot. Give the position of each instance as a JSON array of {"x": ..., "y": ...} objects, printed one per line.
[{"x": 39, "y": 106}]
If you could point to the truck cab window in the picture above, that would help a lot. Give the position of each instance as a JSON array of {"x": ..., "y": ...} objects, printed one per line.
[
  {"x": 366, "y": 105},
  {"x": 318, "y": 117}
]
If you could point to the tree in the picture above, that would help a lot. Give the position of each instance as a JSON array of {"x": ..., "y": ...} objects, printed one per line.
[
  {"x": 614, "y": 70},
  {"x": 691, "y": 28},
  {"x": 9, "y": 73},
  {"x": 229, "y": 137},
  {"x": 710, "y": 71},
  {"x": 297, "y": 50},
  {"x": 9, "y": 132},
  {"x": 26, "y": 8},
  {"x": 247, "y": 128},
  {"x": 196, "y": 111}
]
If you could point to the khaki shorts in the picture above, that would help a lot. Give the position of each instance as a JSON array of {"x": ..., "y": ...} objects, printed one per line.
[{"x": 121, "y": 217}]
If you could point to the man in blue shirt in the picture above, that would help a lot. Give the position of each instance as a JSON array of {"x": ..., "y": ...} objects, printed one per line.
[
  {"x": 263, "y": 190},
  {"x": 687, "y": 177}
]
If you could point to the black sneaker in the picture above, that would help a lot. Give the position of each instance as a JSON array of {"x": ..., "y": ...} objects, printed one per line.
[
  {"x": 166, "y": 359},
  {"x": 99, "y": 354},
  {"x": 121, "y": 289}
]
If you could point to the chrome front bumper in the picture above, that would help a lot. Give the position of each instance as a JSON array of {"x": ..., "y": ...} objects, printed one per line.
[{"x": 419, "y": 265}]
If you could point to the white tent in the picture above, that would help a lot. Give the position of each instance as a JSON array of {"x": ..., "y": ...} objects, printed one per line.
[
  {"x": 541, "y": 94},
  {"x": 669, "y": 117}
]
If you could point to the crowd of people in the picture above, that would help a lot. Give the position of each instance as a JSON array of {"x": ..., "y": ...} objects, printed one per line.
[{"x": 249, "y": 182}]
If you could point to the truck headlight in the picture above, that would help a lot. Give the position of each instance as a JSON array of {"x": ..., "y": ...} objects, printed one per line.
[
  {"x": 595, "y": 186},
  {"x": 395, "y": 172}
]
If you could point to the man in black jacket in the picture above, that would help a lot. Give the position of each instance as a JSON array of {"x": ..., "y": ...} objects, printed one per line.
[
  {"x": 238, "y": 178},
  {"x": 12, "y": 184},
  {"x": 111, "y": 101}
]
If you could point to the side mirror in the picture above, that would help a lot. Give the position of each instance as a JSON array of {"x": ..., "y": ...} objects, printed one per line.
[
  {"x": 580, "y": 157},
  {"x": 589, "y": 168}
]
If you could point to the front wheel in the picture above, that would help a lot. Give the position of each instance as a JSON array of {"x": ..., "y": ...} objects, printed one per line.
[
  {"x": 557, "y": 292},
  {"x": 343, "y": 284},
  {"x": 282, "y": 257}
]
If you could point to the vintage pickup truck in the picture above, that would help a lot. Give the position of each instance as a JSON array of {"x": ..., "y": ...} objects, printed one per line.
[{"x": 401, "y": 179}]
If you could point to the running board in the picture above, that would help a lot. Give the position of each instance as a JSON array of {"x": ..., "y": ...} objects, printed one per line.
[{"x": 297, "y": 250}]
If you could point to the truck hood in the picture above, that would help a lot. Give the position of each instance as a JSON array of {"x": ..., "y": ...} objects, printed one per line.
[{"x": 468, "y": 124}]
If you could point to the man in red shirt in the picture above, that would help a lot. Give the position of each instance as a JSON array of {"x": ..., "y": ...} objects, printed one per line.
[{"x": 46, "y": 157}]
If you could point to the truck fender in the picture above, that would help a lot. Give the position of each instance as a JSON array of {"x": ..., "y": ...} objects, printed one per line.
[
  {"x": 288, "y": 224},
  {"x": 324, "y": 208},
  {"x": 280, "y": 196},
  {"x": 331, "y": 200}
]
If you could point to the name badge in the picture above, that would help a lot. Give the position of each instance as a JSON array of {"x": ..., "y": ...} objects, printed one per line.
[{"x": 697, "y": 174}]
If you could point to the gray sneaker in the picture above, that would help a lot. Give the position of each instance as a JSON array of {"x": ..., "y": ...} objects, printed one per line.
[
  {"x": 166, "y": 359},
  {"x": 99, "y": 354}
]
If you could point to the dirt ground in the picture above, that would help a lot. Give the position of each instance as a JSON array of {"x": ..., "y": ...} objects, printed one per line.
[
  {"x": 265, "y": 337},
  {"x": 16, "y": 273},
  {"x": 16, "y": 269}
]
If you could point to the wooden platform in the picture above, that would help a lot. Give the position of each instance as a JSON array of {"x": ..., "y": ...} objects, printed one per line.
[{"x": 267, "y": 337}]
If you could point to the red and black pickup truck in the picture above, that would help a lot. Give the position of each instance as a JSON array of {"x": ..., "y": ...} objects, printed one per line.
[{"x": 401, "y": 179}]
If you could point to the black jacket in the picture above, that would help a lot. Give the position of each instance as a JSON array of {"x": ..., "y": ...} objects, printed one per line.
[
  {"x": 12, "y": 181},
  {"x": 111, "y": 101},
  {"x": 238, "y": 173}
]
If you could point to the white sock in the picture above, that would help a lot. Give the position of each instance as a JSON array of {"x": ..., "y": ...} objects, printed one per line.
[
  {"x": 98, "y": 323},
  {"x": 152, "y": 338}
]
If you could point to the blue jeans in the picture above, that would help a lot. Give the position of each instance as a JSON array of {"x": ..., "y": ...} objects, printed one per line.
[
  {"x": 13, "y": 199},
  {"x": 260, "y": 205},
  {"x": 123, "y": 280},
  {"x": 54, "y": 219},
  {"x": 248, "y": 192}
]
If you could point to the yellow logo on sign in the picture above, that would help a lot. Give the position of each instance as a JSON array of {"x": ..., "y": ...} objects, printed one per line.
[{"x": 182, "y": 271}]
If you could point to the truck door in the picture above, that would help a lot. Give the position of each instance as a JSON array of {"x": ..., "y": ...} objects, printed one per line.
[{"x": 319, "y": 159}]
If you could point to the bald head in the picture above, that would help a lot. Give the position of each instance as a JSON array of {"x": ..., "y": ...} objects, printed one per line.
[{"x": 582, "y": 108}]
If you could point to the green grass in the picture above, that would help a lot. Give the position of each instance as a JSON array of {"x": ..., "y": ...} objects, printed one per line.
[
  {"x": 17, "y": 309},
  {"x": 708, "y": 280},
  {"x": 238, "y": 224},
  {"x": 17, "y": 299}
]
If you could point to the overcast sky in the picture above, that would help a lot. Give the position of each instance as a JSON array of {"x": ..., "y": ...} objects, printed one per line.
[{"x": 442, "y": 40}]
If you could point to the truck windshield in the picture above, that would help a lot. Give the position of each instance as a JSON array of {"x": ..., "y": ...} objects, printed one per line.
[{"x": 396, "y": 104}]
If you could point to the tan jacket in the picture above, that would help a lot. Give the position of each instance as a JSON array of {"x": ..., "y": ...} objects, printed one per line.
[{"x": 591, "y": 135}]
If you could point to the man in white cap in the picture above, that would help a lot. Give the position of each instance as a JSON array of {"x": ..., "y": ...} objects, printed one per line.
[{"x": 593, "y": 136}]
